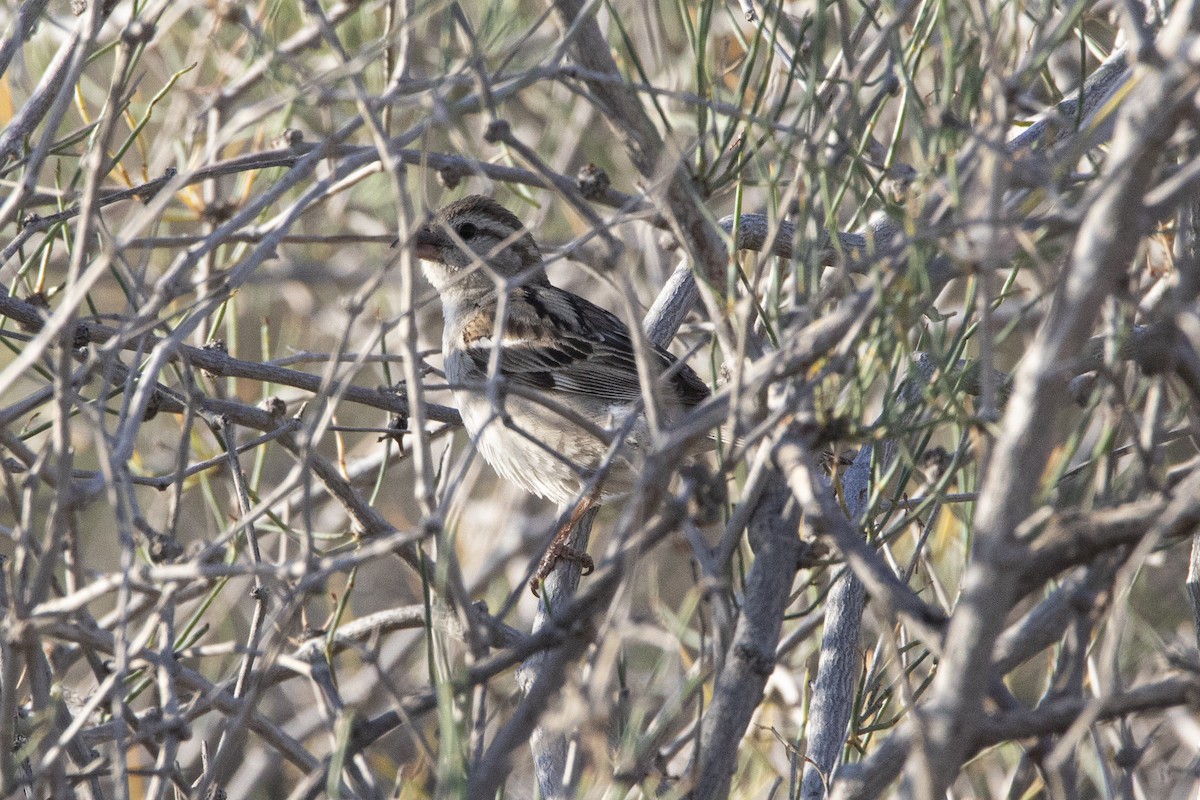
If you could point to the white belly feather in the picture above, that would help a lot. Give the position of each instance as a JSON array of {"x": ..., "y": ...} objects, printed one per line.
[{"x": 536, "y": 448}]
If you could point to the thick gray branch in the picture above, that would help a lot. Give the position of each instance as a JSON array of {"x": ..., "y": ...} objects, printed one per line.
[
  {"x": 1106, "y": 244},
  {"x": 774, "y": 534}
]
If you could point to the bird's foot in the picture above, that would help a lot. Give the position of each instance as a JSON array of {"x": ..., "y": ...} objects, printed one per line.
[{"x": 559, "y": 551}]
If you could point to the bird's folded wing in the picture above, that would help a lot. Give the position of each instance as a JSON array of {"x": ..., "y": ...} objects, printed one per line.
[{"x": 559, "y": 341}]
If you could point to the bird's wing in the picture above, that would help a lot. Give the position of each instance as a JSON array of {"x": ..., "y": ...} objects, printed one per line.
[{"x": 559, "y": 341}]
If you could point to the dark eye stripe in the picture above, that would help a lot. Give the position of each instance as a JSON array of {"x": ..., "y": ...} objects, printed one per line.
[
  {"x": 468, "y": 230},
  {"x": 474, "y": 220}
]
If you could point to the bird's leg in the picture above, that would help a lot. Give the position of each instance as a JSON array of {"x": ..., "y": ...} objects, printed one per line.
[{"x": 559, "y": 550}]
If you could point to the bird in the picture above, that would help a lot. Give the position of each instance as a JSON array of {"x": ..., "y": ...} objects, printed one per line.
[{"x": 544, "y": 379}]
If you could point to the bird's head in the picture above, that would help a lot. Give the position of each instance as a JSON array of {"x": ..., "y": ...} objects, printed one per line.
[{"x": 472, "y": 237}]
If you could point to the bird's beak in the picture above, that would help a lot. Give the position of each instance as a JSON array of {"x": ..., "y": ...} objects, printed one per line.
[{"x": 427, "y": 244}]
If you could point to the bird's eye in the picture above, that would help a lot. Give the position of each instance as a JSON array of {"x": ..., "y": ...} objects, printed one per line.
[{"x": 467, "y": 231}]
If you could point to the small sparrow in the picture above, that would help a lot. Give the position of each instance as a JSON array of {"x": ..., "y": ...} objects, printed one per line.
[{"x": 568, "y": 377}]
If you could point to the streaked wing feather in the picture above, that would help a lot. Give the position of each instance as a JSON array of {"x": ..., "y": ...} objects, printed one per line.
[{"x": 558, "y": 340}]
